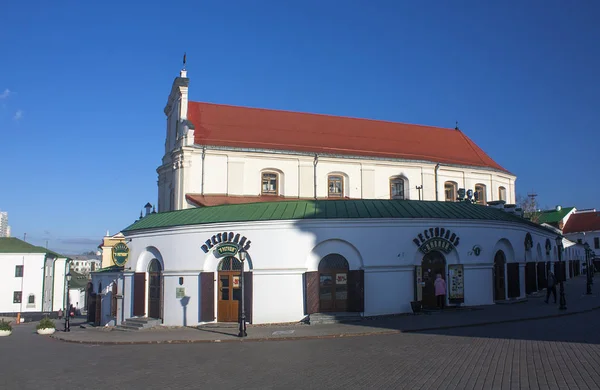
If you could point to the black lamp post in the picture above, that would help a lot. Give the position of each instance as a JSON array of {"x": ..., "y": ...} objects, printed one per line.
[
  {"x": 559, "y": 247},
  {"x": 588, "y": 269},
  {"x": 242, "y": 311},
  {"x": 67, "y": 309}
]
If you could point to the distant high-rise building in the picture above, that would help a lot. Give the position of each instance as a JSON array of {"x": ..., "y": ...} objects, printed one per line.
[{"x": 4, "y": 228}]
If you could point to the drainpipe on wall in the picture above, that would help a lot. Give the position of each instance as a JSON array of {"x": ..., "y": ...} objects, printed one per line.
[
  {"x": 203, "y": 155},
  {"x": 315, "y": 162},
  {"x": 437, "y": 167}
]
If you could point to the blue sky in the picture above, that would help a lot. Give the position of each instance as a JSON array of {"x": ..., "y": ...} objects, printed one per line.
[{"x": 83, "y": 86}]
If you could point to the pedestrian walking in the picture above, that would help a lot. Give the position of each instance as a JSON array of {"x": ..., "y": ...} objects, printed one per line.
[
  {"x": 551, "y": 287},
  {"x": 440, "y": 291}
]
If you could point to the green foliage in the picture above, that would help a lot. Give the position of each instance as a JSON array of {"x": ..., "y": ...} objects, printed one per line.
[
  {"x": 46, "y": 323},
  {"x": 5, "y": 325}
]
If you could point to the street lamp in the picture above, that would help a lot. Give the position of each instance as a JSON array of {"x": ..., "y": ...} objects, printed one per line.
[
  {"x": 559, "y": 247},
  {"x": 242, "y": 312},
  {"x": 67, "y": 311},
  {"x": 588, "y": 267}
]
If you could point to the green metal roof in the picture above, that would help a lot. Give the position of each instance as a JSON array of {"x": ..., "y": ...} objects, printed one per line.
[
  {"x": 553, "y": 216},
  {"x": 14, "y": 245},
  {"x": 324, "y": 209}
]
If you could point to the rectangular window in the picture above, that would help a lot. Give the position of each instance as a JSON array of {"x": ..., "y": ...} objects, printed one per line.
[
  {"x": 269, "y": 184},
  {"x": 397, "y": 188},
  {"x": 18, "y": 271},
  {"x": 579, "y": 241},
  {"x": 450, "y": 192},
  {"x": 481, "y": 195},
  {"x": 17, "y": 296},
  {"x": 336, "y": 186},
  {"x": 502, "y": 193},
  {"x": 31, "y": 299},
  {"x": 596, "y": 242}
]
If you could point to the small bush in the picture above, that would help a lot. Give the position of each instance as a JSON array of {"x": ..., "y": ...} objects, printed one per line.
[
  {"x": 46, "y": 323},
  {"x": 5, "y": 325}
]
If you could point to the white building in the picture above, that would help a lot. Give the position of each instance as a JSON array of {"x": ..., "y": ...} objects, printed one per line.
[
  {"x": 219, "y": 154},
  {"x": 84, "y": 264},
  {"x": 329, "y": 212},
  {"x": 4, "y": 228},
  {"x": 32, "y": 278},
  {"x": 583, "y": 227}
]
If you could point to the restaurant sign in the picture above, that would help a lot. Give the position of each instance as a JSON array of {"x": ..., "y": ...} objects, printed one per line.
[
  {"x": 437, "y": 238},
  {"x": 120, "y": 254},
  {"x": 226, "y": 244}
]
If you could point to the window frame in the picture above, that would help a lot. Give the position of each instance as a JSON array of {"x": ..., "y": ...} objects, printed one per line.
[
  {"x": 454, "y": 191},
  {"x": 483, "y": 199},
  {"x": 329, "y": 181},
  {"x": 17, "y": 273},
  {"x": 502, "y": 189},
  {"x": 17, "y": 296},
  {"x": 398, "y": 179},
  {"x": 262, "y": 182}
]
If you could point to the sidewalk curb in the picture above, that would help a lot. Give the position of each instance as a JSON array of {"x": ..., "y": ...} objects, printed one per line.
[{"x": 329, "y": 336}]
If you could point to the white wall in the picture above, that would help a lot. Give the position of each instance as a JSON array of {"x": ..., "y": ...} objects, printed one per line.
[
  {"x": 30, "y": 283},
  {"x": 59, "y": 299},
  {"x": 239, "y": 173},
  {"x": 282, "y": 251}
]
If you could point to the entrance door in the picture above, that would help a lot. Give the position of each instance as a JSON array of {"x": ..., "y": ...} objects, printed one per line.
[
  {"x": 433, "y": 263},
  {"x": 333, "y": 283},
  {"x": 499, "y": 277},
  {"x": 154, "y": 289},
  {"x": 229, "y": 290}
]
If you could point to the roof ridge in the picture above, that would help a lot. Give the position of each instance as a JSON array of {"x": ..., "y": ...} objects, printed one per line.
[{"x": 322, "y": 115}]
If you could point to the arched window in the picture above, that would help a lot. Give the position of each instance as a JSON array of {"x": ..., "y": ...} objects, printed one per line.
[
  {"x": 333, "y": 261},
  {"x": 154, "y": 266},
  {"x": 397, "y": 188},
  {"x": 270, "y": 183},
  {"x": 335, "y": 185},
  {"x": 502, "y": 193},
  {"x": 481, "y": 193},
  {"x": 230, "y": 264},
  {"x": 450, "y": 191}
]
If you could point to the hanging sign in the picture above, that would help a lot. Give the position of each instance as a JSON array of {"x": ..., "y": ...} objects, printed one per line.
[
  {"x": 120, "y": 254},
  {"x": 456, "y": 289},
  {"x": 225, "y": 250},
  {"x": 226, "y": 244},
  {"x": 436, "y": 239}
]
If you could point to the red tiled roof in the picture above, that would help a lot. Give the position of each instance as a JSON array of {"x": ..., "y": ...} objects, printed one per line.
[
  {"x": 583, "y": 222},
  {"x": 222, "y": 125},
  {"x": 218, "y": 200}
]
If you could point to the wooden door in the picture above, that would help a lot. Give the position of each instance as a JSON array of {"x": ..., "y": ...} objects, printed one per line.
[
  {"x": 139, "y": 294},
  {"x": 514, "y": 282},
  {"x": 333, "y": 290},
  {"x": 207, "y": 296},
  {"x": 154, "y": 295},
  {"x": 541, "y": 276},
  {"x": 311, "y": 283},
  {"x": 229, "y": 296},
  {"x": 499, "y": 277}
]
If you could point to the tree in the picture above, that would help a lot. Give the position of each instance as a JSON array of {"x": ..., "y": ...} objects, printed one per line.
[{"x": 530, "y": 207}]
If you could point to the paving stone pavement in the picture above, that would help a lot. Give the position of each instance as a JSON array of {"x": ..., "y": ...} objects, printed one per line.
[
  {"x": 554, "y": 353},
  {"x": 534, "y": 308}
]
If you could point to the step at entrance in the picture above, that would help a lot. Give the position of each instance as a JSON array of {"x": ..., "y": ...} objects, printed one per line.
[
  {"x": 140, "y": 323},
  {"x": 334, "y": 318}
]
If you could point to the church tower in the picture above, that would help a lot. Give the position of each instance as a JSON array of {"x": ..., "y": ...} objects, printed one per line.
[{"x": 179, "y": 141}]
